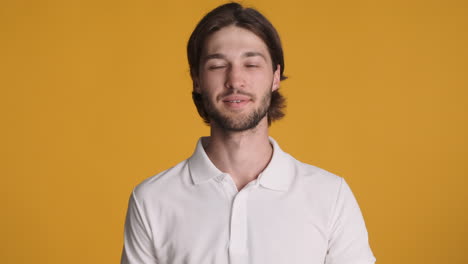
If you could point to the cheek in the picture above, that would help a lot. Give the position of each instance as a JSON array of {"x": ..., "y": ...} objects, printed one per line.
[
  {"x": 212, "y": 79},
  {"x": 212, "y": 86},
  {"x": 263, "y": 78}
]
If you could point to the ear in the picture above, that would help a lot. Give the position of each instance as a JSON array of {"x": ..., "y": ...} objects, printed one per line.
[{"x": 276, "y": 78}]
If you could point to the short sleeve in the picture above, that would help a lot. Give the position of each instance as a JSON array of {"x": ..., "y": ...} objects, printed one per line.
[
  {"x": 138, "y": 246},
  {"x": 348, "y": 240}
]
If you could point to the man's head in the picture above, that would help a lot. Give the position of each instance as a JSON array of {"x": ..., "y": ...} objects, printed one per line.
[{"x": 236, "y": 59}]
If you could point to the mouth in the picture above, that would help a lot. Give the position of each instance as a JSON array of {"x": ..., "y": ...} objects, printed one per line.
[
  {"x": 236, "y": 101},
  {"x": 233, "y": 101}
]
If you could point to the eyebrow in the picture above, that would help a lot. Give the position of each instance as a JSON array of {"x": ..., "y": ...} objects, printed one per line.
[
  {"x": 253, "y": 54},
  {"x": 221, "y": 56},
  {"x": 213, "y": 56}
]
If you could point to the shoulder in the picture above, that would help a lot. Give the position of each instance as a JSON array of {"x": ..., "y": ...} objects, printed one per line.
[
  {"x": 159, "y": 184},
  {"x": 301, "y": 172},
  {"x": 315, "y": 174},
  {"x": 316, "y": 181}
]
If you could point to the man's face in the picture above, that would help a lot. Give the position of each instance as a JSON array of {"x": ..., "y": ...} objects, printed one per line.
[{"x": 236, "y": 78}]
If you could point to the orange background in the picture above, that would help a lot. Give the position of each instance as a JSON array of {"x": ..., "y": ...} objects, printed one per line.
[{"x": 95, "y": 97}]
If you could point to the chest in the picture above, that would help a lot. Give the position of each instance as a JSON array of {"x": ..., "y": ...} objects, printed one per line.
[{"x": 255, "y": 225}]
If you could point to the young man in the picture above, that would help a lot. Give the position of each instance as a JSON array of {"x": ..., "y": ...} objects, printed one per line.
[{"x": 239, "y": 198}]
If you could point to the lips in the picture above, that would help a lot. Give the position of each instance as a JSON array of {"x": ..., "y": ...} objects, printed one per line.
[{"x": 236, "y": 101}]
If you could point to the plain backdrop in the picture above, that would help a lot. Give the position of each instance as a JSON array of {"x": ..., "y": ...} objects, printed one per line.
[{"x": 96, "y": 96}]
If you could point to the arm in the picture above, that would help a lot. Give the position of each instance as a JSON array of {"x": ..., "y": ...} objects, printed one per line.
[
  {"x": 348, "y": 240},
  {"x": 138, "y": 241}
]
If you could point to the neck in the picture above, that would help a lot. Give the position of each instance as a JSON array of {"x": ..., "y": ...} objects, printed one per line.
[{"x": 243, "y": 155}]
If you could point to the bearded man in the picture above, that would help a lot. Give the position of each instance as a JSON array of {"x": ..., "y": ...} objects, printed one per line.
[{"x": 239, "y": 198}]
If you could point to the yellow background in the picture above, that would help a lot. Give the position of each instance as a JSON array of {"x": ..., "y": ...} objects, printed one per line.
[{"x": 95, "y": 97}]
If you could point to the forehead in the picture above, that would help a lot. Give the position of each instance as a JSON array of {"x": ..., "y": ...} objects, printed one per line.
[{"x": 233, "y": 40}]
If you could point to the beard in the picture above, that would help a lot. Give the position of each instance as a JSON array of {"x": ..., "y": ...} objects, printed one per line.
[{"x": 239, "y": 122}]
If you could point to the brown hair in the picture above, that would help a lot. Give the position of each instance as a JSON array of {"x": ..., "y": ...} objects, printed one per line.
[{"x": 250, "y": 19}]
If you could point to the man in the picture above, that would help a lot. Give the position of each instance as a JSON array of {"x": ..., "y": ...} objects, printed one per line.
[{"x": 239, "y": 198}]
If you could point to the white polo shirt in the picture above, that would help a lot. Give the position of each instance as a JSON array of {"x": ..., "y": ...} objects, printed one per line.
[{"x": 293, "y": 213}]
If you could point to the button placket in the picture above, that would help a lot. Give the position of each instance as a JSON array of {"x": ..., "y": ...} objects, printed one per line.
[
  {"x": 228, "y": 189},
  {"x": 238, "y": 251}
]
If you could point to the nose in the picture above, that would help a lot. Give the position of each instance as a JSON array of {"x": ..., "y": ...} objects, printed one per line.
[{"x": 235, "y": 78}]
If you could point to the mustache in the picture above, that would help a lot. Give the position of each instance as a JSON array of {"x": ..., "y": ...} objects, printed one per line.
[{"x": 229, "y": 93}]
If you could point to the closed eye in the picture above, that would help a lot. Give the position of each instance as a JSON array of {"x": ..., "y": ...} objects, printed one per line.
[{"x": 214, "y": 67}]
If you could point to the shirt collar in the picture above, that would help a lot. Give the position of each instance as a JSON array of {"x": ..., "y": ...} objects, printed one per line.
[
  {"x": 200, "y": 166},
  {"x": 278, "y": 174}
]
